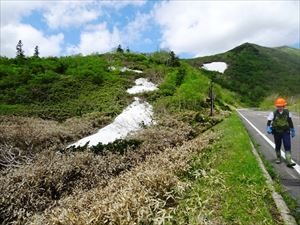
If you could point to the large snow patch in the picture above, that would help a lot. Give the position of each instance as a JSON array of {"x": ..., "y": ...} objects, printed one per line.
[
  {"x": 215, "y": 66},
  {"x": 133, "y": 118}
]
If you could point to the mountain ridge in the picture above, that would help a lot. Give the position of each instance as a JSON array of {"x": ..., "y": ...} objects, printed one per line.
[{"x": 255, "y": 72}]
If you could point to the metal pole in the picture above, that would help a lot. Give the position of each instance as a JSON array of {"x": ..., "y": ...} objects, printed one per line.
[{"x": 211, "y": 99}]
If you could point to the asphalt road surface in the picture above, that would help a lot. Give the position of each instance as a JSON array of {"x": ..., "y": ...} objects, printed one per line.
[{"x": 255, "y": 122}]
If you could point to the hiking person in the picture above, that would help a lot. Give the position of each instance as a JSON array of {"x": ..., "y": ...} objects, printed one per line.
[{"x": 280, "y": 124}]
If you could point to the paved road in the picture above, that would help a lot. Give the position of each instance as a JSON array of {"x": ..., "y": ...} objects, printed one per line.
[{"x": 290, "y": 178}]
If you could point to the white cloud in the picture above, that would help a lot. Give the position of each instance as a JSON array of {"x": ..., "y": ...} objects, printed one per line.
[
  {"x": 96, "y": 38},
  {"x": 133, "y": 32},
  {"x": 117, "y": 4},
  {"x": 76, "y": 13},
  {"x": 62, "y": 15},
  {"x": 12, "y": 30},
  {"x": 70, "y": 14},
  {"x": 195, "y": 27},
  {"x": 209, "y": 27},
  {"x": 31, "y": 37},
  {"x": 12, "y": 11}
]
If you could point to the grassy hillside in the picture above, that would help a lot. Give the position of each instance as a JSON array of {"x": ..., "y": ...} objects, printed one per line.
[
  {"x": 61, "y": 88},
  {"x": 255, "y": 72},
  {"x": 187, "y": 89},
  {"x": 59, "y": 100},
  {"x": 289, "y": 50},
  {"x": 48, "y": 103}
]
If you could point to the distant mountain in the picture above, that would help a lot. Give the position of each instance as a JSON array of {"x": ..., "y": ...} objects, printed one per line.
[
  {"x": 255, "y": 71},
  {"x": 290, "y": 50}
]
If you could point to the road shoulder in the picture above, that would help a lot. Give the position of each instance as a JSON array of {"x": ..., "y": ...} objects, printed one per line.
[
  {"x": 227, "y": 184},
  {"x": 280, "y": 203},
  {"x": 286, "y": 180}
]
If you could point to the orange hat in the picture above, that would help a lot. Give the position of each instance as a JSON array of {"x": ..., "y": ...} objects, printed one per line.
[{"x": 280, "y": 102}]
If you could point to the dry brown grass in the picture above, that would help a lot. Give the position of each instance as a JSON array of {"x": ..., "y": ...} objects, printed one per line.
[
  {"x": 143, "y": 195},
  {"x": 22, "y": 137},
  {"x": 34, "y": 187}
]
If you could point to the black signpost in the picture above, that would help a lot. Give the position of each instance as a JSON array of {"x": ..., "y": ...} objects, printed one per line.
[{"x": 211, "y": 98}]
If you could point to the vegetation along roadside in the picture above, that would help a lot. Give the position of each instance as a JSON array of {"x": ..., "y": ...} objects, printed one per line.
[
  {"x": 226, "y": 184},
  {"x": 188, "y": 168},
  {"x": 288, "y": 199}
]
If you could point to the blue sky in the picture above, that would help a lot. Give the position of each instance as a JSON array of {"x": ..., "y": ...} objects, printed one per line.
[{"x": 189, "y": 28}]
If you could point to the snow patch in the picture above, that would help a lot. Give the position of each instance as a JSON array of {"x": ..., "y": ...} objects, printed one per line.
[
  {"x": 133, "y": 118},
  {"x": 142, "y": 85},
  {"x": 112, "y": 68},
  {"x": 126, "y": 69},
  {"x": 123, "y": 69},
  {"x": 215, "y": 66}
]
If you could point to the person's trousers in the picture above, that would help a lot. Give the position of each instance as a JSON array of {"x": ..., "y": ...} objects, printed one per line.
[{"x": 282, "y": 137}]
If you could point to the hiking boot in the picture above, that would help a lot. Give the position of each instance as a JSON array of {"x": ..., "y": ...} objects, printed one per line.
[
  {"x": 278, "y": 155},
  {"x": 291, "y": 164},
  {"x": 288, "y": 158}
]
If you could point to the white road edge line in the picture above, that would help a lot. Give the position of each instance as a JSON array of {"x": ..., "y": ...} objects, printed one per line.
[{"x": 296, "y": 167}]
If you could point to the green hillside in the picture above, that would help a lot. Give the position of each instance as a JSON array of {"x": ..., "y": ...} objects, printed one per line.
[
  {"x": 64, "y": 87},
  {"x": 186, "y": 168},
  {"x": 290, "y": 50},
  {"x": 255, "y": 72}
]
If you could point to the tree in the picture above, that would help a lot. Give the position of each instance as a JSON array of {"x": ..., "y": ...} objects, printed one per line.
[
  {"x": 173, "y": 59},
  {"x": 119, "y": 49},
  {"x": 36, "y": 52},
  {"x": 20, "y": 52},
  {"x": 127, "y": 50}
]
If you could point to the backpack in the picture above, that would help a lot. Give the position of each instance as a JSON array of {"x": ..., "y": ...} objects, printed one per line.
[{"x": 280, "y": 122}]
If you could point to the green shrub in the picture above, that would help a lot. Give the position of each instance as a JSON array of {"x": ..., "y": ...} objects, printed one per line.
[{"x": 119, "y": 146}]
